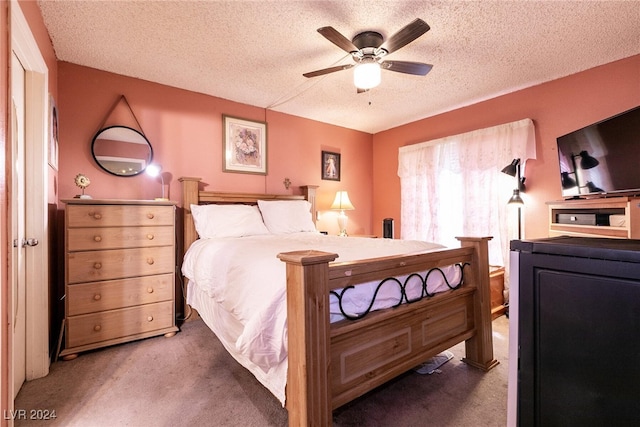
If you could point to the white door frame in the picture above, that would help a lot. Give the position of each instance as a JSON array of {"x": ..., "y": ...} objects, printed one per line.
[
  {"x": 18, "y": 268},
  {"x": 36, "y": 168}
]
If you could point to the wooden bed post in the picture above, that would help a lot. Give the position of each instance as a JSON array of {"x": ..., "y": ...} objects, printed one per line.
[
  {"x": 308, "y": 380},
  {"x": 309, "y": 193},
  {"x": 190, "y": 188},
  {"x": 479, "y": 348}
]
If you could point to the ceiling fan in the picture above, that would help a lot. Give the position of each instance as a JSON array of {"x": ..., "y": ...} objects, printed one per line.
[{"x": 368, "y": 50}]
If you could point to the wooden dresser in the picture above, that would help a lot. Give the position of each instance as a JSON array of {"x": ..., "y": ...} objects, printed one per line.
[{"x": 120, "y": 262}]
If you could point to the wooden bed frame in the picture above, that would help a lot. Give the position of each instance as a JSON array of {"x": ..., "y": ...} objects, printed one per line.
[{"x": 331, "y": 364}]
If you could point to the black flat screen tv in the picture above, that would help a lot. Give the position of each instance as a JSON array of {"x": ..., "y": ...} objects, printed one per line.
[{"x": 602, "y": 158}]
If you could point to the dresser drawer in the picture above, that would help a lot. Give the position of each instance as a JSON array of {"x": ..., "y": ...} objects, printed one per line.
[
  {"x": 91, "y": 266},
  {"x": 118, "y": 215},
  {"x": 112, "y": 294},
  {"x": 106, "y": 325},
  {"x": 96, "y": 238}
]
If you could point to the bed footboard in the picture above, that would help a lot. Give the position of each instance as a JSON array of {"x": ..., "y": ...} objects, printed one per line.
[{"x": 332, "y": 364}]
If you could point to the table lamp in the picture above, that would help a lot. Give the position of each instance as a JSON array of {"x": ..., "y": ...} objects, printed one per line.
[
  {"x": 155, "y": 170},
  {"x": 342, "y": 203}
]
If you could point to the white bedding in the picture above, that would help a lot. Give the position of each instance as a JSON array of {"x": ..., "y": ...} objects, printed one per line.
[{"x": 247, "y": 282}]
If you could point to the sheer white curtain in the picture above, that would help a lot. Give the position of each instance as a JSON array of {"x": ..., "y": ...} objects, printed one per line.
[{"x": 453, "y": 186}]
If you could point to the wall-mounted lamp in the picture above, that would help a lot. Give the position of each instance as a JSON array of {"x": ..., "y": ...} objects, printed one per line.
[
  {"x": 342, "y": 203},
  {"x": 155, "y": 170}
]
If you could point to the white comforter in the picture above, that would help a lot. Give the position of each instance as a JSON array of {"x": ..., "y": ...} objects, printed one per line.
[{"x": 246, "y": 279}]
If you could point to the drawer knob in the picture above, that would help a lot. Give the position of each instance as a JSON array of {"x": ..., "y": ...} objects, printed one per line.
[
  {"x": 97, "y": 328},
  {"x": 150, "y": 261},
  {"x": 149, "y": 318},
  {"x": 150, "y": 236},
  {"x": 97, "y": 238},
  {"x": 97, "y": 265},
  {"x": 150, "y": 290},
  {"x": 97, "y": 297},
  {"x": 150, "y": 215},
  {"x": 95, "y": 215}
]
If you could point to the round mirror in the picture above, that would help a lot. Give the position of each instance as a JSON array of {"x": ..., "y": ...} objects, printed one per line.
[{"x": 121, "y": 150}]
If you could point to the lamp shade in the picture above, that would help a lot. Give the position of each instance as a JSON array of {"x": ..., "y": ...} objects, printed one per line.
[
  {"x": 587, "y": 162},
  {"x": 516, "y": 199},
  {"x": 594, "y": 188},
  {"x": 567, "y": 181},
  {"x": 366, "y": 75},
  {"x": 155, "y": 170},
  {"x": 511, "y": 168},
  {"x": 342, "y": 202}
]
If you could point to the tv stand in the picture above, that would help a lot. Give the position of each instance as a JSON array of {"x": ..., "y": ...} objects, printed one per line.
[{"x": 613, "y": 217}]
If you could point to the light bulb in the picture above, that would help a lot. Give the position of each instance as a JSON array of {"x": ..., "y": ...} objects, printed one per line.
[{"x": 366, "y": 75}]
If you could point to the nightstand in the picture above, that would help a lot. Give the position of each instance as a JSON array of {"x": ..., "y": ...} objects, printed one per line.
[{"x": 496, "y": 282}]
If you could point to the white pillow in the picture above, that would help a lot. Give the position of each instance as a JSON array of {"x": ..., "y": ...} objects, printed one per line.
[
  {"x": 286, "y": 216},
  {"x": 227, "y": 221}
]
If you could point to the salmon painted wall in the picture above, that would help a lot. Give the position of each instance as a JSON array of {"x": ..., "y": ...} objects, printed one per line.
[
  {"x": 185, "y": 130},
  {"x": 557, "y": 108}
]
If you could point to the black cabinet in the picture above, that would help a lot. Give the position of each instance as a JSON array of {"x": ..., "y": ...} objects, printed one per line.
[{"x": 578, "y": 332}]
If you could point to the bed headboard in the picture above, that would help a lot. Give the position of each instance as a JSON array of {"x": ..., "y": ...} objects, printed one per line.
[{"x": 192, "y": 195}]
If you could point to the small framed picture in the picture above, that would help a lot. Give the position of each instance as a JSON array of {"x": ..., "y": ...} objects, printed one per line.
[
  {"x": 53, "y": 134},
  {"x": 244, "y": 146},
  {"x": 331, "y": 166}
]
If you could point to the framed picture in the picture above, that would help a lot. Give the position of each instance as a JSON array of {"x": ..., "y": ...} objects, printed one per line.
[
  {"x": 244, "y": 146},
  {"x": 53, "y": 133},
  {"x": 331, "y": 166}
]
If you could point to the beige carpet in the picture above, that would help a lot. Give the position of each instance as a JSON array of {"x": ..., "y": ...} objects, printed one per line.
[{"x": 190, "y": 380}]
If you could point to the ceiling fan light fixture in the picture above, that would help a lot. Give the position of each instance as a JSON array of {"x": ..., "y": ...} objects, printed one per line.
[{"x": 366, "y": 75}]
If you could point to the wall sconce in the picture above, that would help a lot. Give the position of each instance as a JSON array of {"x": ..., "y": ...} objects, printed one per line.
[
  {"x": 342, "y": 203},
  {"x": 155, "y": 170}
]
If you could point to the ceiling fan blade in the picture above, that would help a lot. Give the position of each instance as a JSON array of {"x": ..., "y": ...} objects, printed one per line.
[
  {"x": 328, "y": 70},
  {"x": 406, "y": 35},
  {"x": 338, "y": 39},
  {"x": 417, "y": 68}
]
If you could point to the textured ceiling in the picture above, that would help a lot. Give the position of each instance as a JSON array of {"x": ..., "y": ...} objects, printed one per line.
[{"x": 255, "y": 52}]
